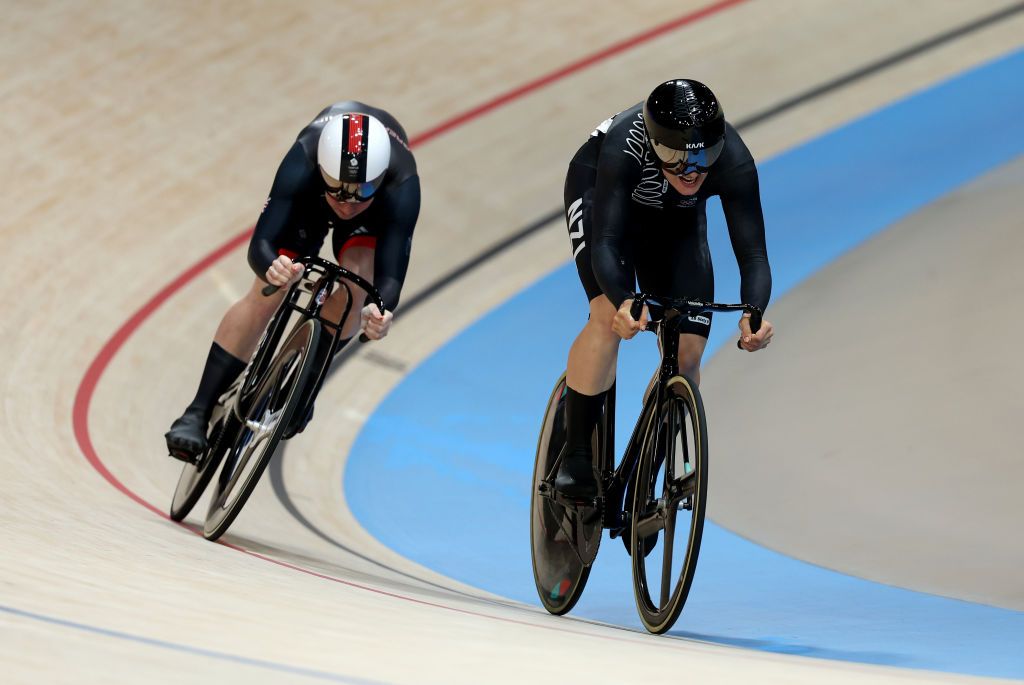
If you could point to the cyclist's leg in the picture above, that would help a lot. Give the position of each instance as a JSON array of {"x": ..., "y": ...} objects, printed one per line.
[
  {"x": 240, "y": 330},
  {"x": 356, "y": 254},
  {"x": 234, "y": 342},
  {"x": 691, "y": 349},
  {"x": 590, "y": 372},
  {"x": 594, "y": 352}
]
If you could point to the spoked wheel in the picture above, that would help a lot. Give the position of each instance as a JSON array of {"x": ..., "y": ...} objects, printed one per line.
[
  {"x": 564, "y": 537},
  {"x": 670, "y": 497},
  {"x": 195, "y": 477},
  {"x": 267, "y": 414}
]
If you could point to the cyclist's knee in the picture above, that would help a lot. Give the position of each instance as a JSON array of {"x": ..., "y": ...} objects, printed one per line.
[
  {"x": 602, "y": 311},
  {"x": 358, "y": 260},
  {"x": 691, "y": 350},
  {"x": 259, "y": 304}
]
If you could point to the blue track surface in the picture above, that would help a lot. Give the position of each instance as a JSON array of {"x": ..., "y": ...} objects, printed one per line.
[{"x": 441, "y": 472}]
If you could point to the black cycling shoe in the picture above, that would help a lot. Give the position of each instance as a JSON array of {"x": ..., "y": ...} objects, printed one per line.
[
  {"x": 186, "y": 440},
  {"x": 575, "y": 477}
]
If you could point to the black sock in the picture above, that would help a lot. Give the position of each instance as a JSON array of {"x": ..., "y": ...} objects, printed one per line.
[
  {"x": 582, "y": 412},
  {"x": 221, "y": 369}
]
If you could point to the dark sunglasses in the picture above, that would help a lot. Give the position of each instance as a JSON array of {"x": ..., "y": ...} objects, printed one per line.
[
  {"x": 683, "y": 162},
  {"x": 352, "y": 192}
]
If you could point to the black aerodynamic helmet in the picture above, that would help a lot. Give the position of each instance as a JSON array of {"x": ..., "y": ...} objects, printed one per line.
[{"x": 685, "y": 125}]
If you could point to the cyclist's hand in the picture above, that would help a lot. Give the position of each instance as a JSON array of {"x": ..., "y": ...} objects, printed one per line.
[
  {"x": 373, "y": 323},
  {"x": 624, "y": 325},
  {"x": 752, "y": 342},
  {"x": 283, "y": 271}
]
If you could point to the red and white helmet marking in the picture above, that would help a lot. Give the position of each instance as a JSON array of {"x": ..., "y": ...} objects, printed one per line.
[{"x": 353, "y": 148}]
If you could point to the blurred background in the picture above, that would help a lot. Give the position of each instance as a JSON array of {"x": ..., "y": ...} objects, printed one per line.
[{"x": 863, "y": 482}]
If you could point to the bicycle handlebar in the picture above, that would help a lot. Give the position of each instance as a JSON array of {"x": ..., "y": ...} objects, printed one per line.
[
  {"x": 336, "y": 272},
  {"x": 688, "y": 307}
]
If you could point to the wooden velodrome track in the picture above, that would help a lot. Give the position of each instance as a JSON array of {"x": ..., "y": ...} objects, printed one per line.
[{"x": 141, "y": 137}]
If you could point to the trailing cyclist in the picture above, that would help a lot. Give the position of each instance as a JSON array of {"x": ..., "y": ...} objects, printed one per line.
[{"x": 350, "y": 172}]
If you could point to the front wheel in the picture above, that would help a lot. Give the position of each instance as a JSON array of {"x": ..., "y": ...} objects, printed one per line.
[
  {"x": 268, "y": 413},
  {"x": 670, "y": 498}
]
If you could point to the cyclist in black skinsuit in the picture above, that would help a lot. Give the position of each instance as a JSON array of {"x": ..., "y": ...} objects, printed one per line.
[
  {"x": 350, "y": 173},
  {"x": 635, "y": 197}
]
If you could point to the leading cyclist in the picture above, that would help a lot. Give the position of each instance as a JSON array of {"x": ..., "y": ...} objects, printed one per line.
[
  {"x": 350, "y": 172},
  {"x": 635, "y": 197}
]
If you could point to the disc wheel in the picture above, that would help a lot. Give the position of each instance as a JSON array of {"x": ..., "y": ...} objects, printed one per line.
[
  {"x": 564, "y": 539},
  {"x": 670, "y": 498},
  {"x": 268, "y": 413}
]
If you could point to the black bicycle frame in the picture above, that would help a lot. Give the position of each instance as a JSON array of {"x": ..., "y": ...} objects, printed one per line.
[
  {"x": 616, "y": 482},
  {"x": 319, "y": 280}
]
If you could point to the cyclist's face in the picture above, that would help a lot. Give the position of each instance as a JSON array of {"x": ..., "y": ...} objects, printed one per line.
[
  {"x": 687, "y": 184},
  {"x": 347, "y": 210}
]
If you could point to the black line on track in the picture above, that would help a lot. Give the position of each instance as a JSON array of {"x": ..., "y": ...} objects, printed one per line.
[
  {"x": 882, "y": 64},
  {"x": 435, "y": 287},
  {"x": 276, "y": 465}
]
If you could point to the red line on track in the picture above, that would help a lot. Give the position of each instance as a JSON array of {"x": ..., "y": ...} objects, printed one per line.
[
  {"x": 89, "y": 382},
  {"x": 83, "y": 397},
  {"x": 572, "y": 68}
]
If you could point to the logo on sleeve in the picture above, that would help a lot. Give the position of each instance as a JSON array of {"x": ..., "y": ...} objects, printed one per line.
[{"x": 651, "y": 189}]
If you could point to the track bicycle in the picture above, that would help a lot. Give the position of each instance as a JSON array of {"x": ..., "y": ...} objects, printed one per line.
[
  {"x": 271, "y": 398},
  {"x": 654, "y": 499}
]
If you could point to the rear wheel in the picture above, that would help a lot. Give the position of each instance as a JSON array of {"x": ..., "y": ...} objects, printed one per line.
[
  {"x": 564, "y": 538},
  {"x": 268, "y": 413},
  {"x": 670, "y": 498}
]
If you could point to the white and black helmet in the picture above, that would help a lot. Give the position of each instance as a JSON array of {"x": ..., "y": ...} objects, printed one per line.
[{"x": 353, "y": 154}]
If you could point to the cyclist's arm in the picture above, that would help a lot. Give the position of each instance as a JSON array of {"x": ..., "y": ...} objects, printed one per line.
[
  {"x": 611, "y": 217},
  {"x": 741, "y": 202},
  {"x": 294, "y": 174},
  {"x": 394, "y": 245}
]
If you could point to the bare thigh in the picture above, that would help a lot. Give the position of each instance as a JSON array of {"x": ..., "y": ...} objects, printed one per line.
[{"x": 358, "y": 260}]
